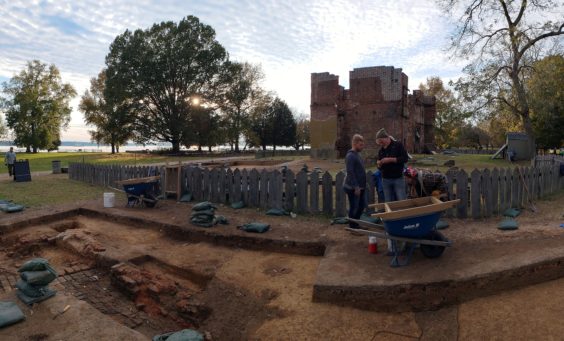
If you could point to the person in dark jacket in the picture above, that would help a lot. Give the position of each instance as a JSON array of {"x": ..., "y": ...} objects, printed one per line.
[
  {"x": 355, "y": 182},
  {"x": 392, "y": 157}
]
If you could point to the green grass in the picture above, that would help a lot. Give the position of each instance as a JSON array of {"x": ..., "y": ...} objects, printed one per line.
[
  {"x": 468, "y": 162},
  {"x": 49, "y": 190},
  {"x": 42, "y": 161}
]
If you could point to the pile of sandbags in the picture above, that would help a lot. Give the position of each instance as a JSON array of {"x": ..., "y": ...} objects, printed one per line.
[
  {"x": 203, "y": 215},
  {"x": 33, "y": 285},
  {"x": 10, "y": 207}
]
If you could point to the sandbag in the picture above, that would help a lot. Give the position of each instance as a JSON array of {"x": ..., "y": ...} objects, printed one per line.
[
  {"x": 340, "y": 220},
  {"x": 186, "y": 197},
  {"x": 183, "y": 335},
  {"x": 204, "y": 213},
  {"x": 276, "y": 212},
  {"x": 238, "y": 205},
  {"x": 36, "y": 278},
  {"x": 221, "y": 220},
  {"x": 441, "y": 224},
  {"x": 255, "y": 227},
  {"x": 29, "y": 290},
  {"x": 10, "y": 313},
  {"x": 508, "y": 224},
  {"x": 11, "y": 208},
  {"x": 35, "y": 264},
  {"x": 370, "y": 219},
  {"x": 512, "y": 212},
  {"x": 202, "y": 206}
]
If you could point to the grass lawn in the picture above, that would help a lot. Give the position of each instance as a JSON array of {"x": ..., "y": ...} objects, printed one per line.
[
  {"x": 468, "y": 162},
  {"x": 42, "y": 161},
  {"x": 48, "y": 190}
]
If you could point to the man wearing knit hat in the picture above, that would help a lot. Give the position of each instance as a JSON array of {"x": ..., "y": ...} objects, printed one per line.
[{"x": 392, "y": 157}]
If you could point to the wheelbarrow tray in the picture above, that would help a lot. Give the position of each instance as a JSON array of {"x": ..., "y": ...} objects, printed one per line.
[
  {"x": 140, "y": 188},
  {"x": 412, "y": 218}
]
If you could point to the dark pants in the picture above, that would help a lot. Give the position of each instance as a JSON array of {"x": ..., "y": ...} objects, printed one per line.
[
  {"x": 357, "y": 204},
  {"x": 11, "y": 169}
]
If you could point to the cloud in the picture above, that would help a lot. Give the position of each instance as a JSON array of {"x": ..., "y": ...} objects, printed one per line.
[{"x": 290, "y": 39}]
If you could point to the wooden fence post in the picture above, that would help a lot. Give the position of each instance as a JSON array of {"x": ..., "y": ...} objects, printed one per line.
[
  {"x": 289, "y": 190},
  {"x": 487, "y": 194},
  {"x": 340, "y": 201},
  {"x": 301, "y": 192},
  {"x": 475, "y": 195},
  {"x": 495, "y": 191},
  {"x": 236, "y": 197},
  {"x": 253, "y": 188},
  {"x": 327, "y": 193},
  {"x": 314, "y": 192},
  {"x": 462, "y": 194},
  {"x": 263, "y": 201}
]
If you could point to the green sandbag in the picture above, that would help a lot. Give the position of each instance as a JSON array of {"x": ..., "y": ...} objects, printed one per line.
[
  {"x": 508, "y": 224},
  {"x": 36, "y": 278},
  {"x": 370, "y": 219},
  {"x": 47, "y": 293},
  {"x": 202, "y": 206},
  {"x": 221, "y": 220},
  {"x": 512, "y": 212},
  {"x": 186, "y": 197},
  {"x": 441, "y": 224},
  {"x": 11, "y": 208},
  {"x": 10, "y": 313},
  {"x": 276, "y": 212},
  {"x": 202, "y": 223},
  {"x": 183, "y": 335},
  {"x": 255, "y": 227},
  {"x": 238, "y": 205},
  {"x": 210, "y": 213},
  {"x": 29, "y": 290},
  {"x": 36, "y": 264},
  {"x": 340, "y": 220}
]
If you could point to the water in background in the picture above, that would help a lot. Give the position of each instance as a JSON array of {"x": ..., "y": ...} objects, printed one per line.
[{"x": 90, "y": 147}]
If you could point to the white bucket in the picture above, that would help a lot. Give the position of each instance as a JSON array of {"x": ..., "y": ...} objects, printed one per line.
[{"x": 109, "y": 199}]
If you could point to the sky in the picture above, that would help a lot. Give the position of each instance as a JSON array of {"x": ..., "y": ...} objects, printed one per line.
[{"x": 290, "y": 39}]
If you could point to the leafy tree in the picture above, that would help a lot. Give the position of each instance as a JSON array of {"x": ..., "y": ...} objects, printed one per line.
[
  {"x": 547, "y": 101},
  {"x": 3, "y": 129},
  {"x": 449, "y": 113},
  {"x": 165, "y": 69},
  {"x": 502, "y": 38},
  {"x": 37, "y": 106},
  {"x": 206, "y": 128},
  {"x": 302, "y": 132},
  {"x": 113, "y": 120},
  {"x": 273, "y": 124},
  {"x": 240, "y": 96}
]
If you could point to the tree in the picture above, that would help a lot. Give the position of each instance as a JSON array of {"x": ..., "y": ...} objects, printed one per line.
[
  {"x": 547, "y": 101},
  {"x": 241, "y": 94},
  {"x": 449, "y": 112},
  {"x": 37, "y": 106},
  {"x": 206, "y": 128},
  {"x": 272, "y": 124},
  {"x": 302, "y": 132},
  {"x": 112, "y": 119},
  {"x": 503, "y": 37},
  {"x": 3, "y": 129},
  {"x": 165, "y": 69}
]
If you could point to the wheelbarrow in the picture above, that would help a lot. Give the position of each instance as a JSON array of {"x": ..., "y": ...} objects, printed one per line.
[
  {"x": 412, "y": 222},
  {"x": 141, "y": 191}
]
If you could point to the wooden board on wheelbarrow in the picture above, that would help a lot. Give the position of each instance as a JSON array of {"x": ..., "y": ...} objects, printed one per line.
[
  {"x": 138, "y": 180},
  {"x": 412, "y": 207}
]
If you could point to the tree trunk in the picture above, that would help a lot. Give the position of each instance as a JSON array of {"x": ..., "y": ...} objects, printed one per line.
[
  {"x": 175, "y": 146},
  {"x": 199, "y": 148},
  {"x": 210, "y": 149},
  {"x": 28, "y": 149},
  {"x": 34, "y": 149},
  {"x": 117, "y": 148},
  {"x": 113, "y": 148},
  {"x": 237, "y": 146}
]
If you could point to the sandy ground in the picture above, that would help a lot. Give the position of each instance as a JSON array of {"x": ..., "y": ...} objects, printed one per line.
[{"x": 267, "y": 296}]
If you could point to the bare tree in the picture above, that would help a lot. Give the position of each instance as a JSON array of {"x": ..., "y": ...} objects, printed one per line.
[{"x": 502, "y": 38}]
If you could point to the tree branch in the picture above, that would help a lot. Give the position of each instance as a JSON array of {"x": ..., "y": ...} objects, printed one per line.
[{"x": 541, "y": 37}]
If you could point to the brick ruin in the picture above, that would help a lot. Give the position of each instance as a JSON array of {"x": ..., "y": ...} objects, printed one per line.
[{"x": 378, "y": 98}]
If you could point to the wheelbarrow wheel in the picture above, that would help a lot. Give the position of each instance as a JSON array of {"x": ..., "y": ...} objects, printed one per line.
[
  {"x": 433, "y": 251},
  {"x": 152, "y": 202}
]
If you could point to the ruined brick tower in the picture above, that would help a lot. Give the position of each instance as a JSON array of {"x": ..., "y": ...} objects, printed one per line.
[{"x": 378, "y": 98}]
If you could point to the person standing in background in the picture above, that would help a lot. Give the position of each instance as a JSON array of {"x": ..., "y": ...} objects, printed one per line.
[
  {"x": 9, "y": 160},
  {"x": 355, "y": 182},
  {"x": 392, "y": 157}
]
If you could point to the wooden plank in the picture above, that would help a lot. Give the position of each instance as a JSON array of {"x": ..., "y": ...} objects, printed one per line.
[
  {"x": 206, "y": 184},
  {"x": 327, "y": 181},
  {"x": 289, "y": 190},
  {"x": 228, "y": 182},
  {"x": 495, "y": 191},
  {"x": 245, "y": 186},
  {"x": 515, "y": 184},
  {"x": 450, "y": 185},
  {"x": 263, "y": 196},
  {"x": 508, "y": 187},
  {"x": 301, "y": 192},
  {"x": 236, "y": 197},
  {"x": 277, "y": 189},
  {"x": 340, "y": 197},
  {"x": 436, "y": 206},
  {"x": 214, "y": 191},
  {"x": 486, "y": 193},
  {"x": 462, "y": 194},
  {"x": 314, "y": 192},
  {"x": 253, "y": 188},
  {"x": 271, "y": 190}
]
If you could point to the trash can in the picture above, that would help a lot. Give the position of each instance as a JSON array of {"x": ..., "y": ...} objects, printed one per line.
[{"x": 56, "y": 166}]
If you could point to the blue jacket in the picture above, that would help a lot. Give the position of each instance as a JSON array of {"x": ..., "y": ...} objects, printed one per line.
[{"x": 356, "y": 174}]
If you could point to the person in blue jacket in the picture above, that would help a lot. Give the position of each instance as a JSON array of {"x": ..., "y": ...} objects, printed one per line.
[{"x": 355, "y": 182}]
